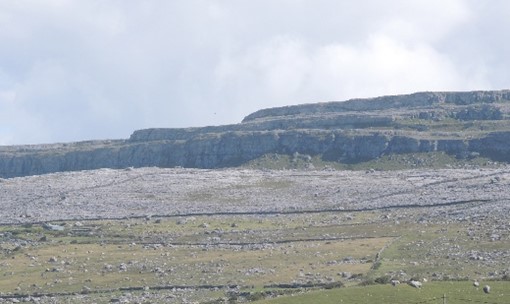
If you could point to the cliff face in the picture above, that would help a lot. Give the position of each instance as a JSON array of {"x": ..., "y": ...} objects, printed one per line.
[{"x": 459, "y": 123}]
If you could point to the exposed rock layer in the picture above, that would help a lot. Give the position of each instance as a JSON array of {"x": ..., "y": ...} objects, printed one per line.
[
  {"x": 458, "y": 123},
  {"x": 109, "y": 194}
]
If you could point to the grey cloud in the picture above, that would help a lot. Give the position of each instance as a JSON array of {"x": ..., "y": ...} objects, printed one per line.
[{"x": 77, "y": 70}]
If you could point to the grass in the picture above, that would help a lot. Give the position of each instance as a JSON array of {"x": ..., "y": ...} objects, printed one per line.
[
  {"x": 433, "y": 292},
  {"x": 473, "y": 128},
  {"x": 433, "y": 160},
  {"x": 65, "y": 262},
  {"x": 436, "y": 160},
  {"x": 209, "y": 250}
]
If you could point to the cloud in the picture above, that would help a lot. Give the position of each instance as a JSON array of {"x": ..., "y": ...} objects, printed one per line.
[
  {"x": 287, "y": 71},
  {"x": 423, "y": 21},
  {"x": 78, "y": 70}
]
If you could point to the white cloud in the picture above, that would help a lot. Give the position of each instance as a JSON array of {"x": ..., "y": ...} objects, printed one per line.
[
  {"x": 382, "y": 66},
  {"x": 287, "y": 71},
  {"x": 76, "y": 70},
  {"x": 423, "y": 21}
]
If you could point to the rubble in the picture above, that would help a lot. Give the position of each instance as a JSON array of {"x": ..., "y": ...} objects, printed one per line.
[{"x": 459, "y": 194}]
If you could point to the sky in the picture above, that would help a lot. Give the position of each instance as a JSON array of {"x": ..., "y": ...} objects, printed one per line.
[{"x": 73, "y": 70}]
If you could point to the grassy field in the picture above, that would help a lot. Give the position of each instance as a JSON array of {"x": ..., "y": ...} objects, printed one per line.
[
  {"x": 434, "y": 160},
  {"x": 108, "y": 256},
  {"x": 254, "y": 254},
  {"x": 433, "y": 292}
]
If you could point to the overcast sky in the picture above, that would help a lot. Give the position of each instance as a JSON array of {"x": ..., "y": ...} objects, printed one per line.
[{"x": 100, "y": 69}]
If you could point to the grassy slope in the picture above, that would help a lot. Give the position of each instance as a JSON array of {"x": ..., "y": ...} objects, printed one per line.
[
  {"x": 455, "y": 293},
  {"x": 160, "y": 253},
  {"x": 145, "y": 246}
]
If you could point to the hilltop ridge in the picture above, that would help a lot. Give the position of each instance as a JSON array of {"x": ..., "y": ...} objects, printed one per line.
[{"x": 463, "y": 125}]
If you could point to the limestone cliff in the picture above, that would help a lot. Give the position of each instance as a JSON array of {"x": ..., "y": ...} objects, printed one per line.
[{"x": 458, "y": 123}]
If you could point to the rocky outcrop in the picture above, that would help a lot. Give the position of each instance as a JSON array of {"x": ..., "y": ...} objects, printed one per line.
[
  {"x": 461, "y": 124},
  {"x": 428, "y": 100}
]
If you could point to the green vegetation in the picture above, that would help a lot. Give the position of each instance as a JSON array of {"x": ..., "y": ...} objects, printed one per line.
[
  {"x": 263, "y": 255},
  {"x": 434, "y": 160},
  {"x": 471, "y": 127},
  {"x": 433, "y": 292}
]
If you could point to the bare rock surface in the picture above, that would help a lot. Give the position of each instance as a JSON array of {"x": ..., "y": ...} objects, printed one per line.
[
  {"x": 461, "y": 124},
  {"x": 108, "y": 193}
]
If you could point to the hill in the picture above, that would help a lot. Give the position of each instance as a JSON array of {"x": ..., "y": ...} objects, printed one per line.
[
  {"x": 230, "y": 235},
  {"x": 467, "y": 126},
  {"x": 158, "y": 235}
]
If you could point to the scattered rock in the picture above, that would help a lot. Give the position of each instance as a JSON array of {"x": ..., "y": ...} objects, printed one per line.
[
  {"x": 487, "y": 289},
  {"x": 52, "y": 227},
  {"x": 415, "y": 284},
  {"x": 123, "y": 267}
]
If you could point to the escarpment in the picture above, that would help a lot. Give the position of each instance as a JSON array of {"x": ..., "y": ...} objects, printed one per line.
[{"x": 461, "y": 124}]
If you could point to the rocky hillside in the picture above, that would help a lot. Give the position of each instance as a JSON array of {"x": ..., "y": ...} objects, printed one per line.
[{"x": 464, "y": 125}]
